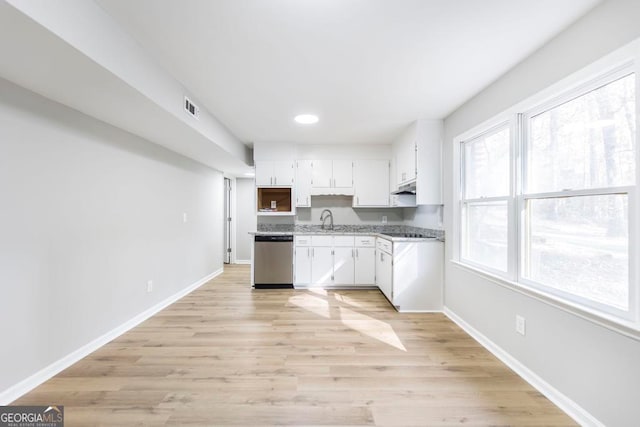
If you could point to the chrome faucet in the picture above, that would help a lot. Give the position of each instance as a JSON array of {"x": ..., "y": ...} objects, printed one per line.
[{"x": 323, "y": 218}]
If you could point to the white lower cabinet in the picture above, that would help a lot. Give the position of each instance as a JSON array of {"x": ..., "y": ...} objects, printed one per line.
[
  {"x": 417, "y": 275},
  {"x": 335, "y": 260},
  {"x": 409, "y": 274},
  {"x": 365, "y": 266},
  {"x": 384, "y": 269},
  {"x": 302, "y": 260},
  {"x": 365, "y": 261},
  {"x": 302, "y": 265},
  {"x": 322, "y": 265},
  {"x": 343, "y": 266}
]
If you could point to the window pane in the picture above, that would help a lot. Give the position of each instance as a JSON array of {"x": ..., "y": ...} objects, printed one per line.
[
  {"x": 580, "y": 245},
  {"x": 486, "y": 169},
  {"x": 588, "y": 142},
  {"x": 485, "y": 240}
]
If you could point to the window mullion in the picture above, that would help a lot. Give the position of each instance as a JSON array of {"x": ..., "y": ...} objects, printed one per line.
[
  {"x": 516, "y": 194},
  {"x": 577, "y": 193},
  {"x": 487, "y": 199}
]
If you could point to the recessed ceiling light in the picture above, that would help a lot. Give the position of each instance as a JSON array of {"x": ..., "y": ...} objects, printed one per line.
[
  {"x": 249, "y": 174},
  {"x": 306, "y": 119}
]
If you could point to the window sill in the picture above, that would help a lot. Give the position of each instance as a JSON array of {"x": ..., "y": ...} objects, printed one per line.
[{"x": 621, "y": 326}]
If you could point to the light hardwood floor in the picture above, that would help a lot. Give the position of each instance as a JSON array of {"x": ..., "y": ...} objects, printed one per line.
[{"x": 227, "y": 355}]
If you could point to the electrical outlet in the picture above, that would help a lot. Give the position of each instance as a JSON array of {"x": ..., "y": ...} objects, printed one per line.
[
  {"x": 185, "y": 218},
  {"x": 150, "y": 286},
  {"x": 520, "y": 325},
  {"x": 384, "y": 219}
]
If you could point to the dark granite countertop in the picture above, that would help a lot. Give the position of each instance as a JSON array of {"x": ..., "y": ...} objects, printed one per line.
[{"x": 288, "y": 229}]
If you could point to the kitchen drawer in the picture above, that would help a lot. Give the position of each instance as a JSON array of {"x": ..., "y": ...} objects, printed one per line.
[
  {"x": 322, "y": 240},
  {"x": 384, "y": 245},
  {"x": 303, "y": 240},
  {"x": 365, "y": 241},
  {"x": 343, "y": 241}
]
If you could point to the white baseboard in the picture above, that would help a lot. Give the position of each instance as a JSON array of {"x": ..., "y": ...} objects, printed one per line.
[
  {"x": 571, "y": 408},
  {"x": 242, "y": 261},
  {"x": 28, "y": 384}
]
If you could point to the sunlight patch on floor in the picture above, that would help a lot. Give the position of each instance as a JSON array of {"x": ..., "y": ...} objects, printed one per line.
[
  {"x": 371, "y": 327},
  {"x": 312, "y": 303},
  {"x": 347, "y": 300}
]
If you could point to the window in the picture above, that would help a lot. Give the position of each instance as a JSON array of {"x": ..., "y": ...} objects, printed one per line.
[
  {"x": 486, "y": 193},
  {"x": 580, "y": 169},
  {"x": 550, "y": 208}
]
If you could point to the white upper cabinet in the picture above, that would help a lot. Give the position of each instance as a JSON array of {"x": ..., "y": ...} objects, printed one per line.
[
  {"x": 303, "y": 183},
  {"x": 418, "y": 158},
  {"x": 274, "y": 173},
  {"x": 343, "y": 174},
  {"x": 429, "y": 163},
  {"x": 264, "y": 173},
  {"x": 322, "y": 174},
  {"x": 404, "y": 153},
  {"x": 332, "y": 177},
  {"x": 371, "y": 183}
]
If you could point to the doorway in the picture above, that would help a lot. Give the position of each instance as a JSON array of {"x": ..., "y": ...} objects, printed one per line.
[{"x": 227, "y": 221}]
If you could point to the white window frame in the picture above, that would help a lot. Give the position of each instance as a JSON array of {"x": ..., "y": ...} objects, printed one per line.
[
  {"x": 464, "y": 202},
  {"x": 523, "y": 196},
  {"x": 615, "y": 65}
]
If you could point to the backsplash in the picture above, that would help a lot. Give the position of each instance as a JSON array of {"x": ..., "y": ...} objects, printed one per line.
[{"x": 342, "y": 210}]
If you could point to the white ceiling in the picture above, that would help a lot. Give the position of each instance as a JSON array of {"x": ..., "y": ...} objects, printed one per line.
[{"x": 367, "y": 67}]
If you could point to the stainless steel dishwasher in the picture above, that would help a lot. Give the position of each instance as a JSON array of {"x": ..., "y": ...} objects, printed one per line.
[{"x": 273, "y": 262}]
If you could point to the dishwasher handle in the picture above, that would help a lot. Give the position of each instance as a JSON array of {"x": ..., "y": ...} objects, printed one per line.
[{"x": 271, "y": 238}]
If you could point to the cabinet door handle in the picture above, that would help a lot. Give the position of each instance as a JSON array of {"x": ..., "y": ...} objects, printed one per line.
[
  {"x": 358, "y": 200},
  {"x": 307, "y": 252},
  {"x": 275, "y": 180},
  {"x": 352, "y": 254},
  {"x": 357, "y": 256},
  {"x": 313, "y": 252}
]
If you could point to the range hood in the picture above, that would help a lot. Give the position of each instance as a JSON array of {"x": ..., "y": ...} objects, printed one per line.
[{"x": 409, "y": 188}]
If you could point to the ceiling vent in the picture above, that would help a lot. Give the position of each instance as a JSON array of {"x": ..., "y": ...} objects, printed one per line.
[{"x": 191, "y": 108}]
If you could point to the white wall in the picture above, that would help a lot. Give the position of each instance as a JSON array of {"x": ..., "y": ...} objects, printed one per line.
[
  {"x": 89, "y": 215},
  {"x": 72, "y": 49},
  {"x": 597, "y": 368},
  {"x": 245, "y": 217},
  {"x": 430, "y": 216}
]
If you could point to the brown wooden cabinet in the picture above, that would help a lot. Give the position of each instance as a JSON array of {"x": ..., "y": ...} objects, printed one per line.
[{"x": 274, "y": 200}]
